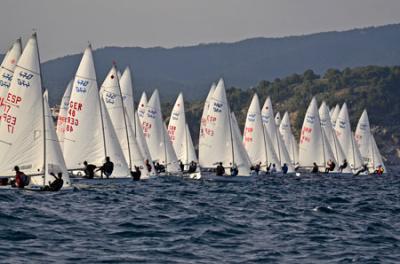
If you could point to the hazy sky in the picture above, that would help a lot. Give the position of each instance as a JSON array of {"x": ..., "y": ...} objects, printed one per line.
[{"x": 65, "y": 26}]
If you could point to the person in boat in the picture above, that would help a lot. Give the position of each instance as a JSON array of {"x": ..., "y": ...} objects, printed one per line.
[
  {"x": 181, "y": 166},
  {"x": 330, "y": 166},
  {"x": 107, "y": 168},
  {"x": 192, "y": 166},
  {"x": 148, "y": 165},
  {"x": 297, "y": 166},
  {"x": 273, "y": 169},
  {"x": 159, "y": 167},
  {"x": 315, "y": 168},
  {"x": 343, "y": 166},
  {"x": 364, "y": 168},
  {"x": 136, "y": 174},
  {"x": 220, "y": 171},
  {"x": 89, "y": 170},
  {"x": 285, "y": 168},
  {"x": 21, "y": 180},
  {"x": 380, "y": 170},
  {"x": 257, "y": 168},
  {"x": 234, "y": 170},
  {"x": 268, "y": 168},
  {"x": 56, "y": 185}
]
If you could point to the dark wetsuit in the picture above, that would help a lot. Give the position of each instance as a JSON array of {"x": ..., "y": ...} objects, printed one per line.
[
  {"x": 220, "y": 170},
  {"x": 107, "y": 168},
  {"x": 56, "y": 185},
  {"x": 89, "y": 171}
]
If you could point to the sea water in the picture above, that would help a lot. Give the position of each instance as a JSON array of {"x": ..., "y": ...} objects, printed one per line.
[{"x": 277, "y": 219}]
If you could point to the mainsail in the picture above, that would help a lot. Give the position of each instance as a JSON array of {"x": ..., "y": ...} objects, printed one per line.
[
  {"x": 313, "y": 146},
  {"x": 90, "y": 135}
]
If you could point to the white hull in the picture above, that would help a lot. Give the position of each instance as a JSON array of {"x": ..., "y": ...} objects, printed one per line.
[{"x": 211, "y": 176}]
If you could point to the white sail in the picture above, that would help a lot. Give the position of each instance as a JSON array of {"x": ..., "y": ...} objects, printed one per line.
[
  {"x": 215, "y": 129},
  {"x": 239, "y": 155},
  {"x": 89, "y": 133},
  {"x": 62, "y": 114},
  {"x": 7, "y": 70},
  {"x": 267, "y": 114},
  {"x": 156, "y": 135},
  {"x": 366, "y": 143},
  {"x": 188, "y": 151},
  {"x": 313, "y": 146},
  {"x": 334, "y": 115},
  {"x": 21, "y": 132},
  {"x": 289, "y": 139},
  {"x": 141, "y": 109},
  {"x": 54, "y": 158},
  {"x": 111, "y": 94},
  {"x": 278, "y": 119},
  {"x": 204, "y": 148},
  {"x": 141, "y": 140},
  {"x": 177, "y": 127},
  {"x": 125, "y": 82},
  {"x": 346, "y": 139},
  {"x": 255, "y": 138},
  {"x": 330, "y": 134}
]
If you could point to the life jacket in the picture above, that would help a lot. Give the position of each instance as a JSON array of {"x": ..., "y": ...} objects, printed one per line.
[{"x": 21, "y": 179}]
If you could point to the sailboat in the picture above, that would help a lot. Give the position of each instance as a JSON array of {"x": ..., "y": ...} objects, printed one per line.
[
  {"x": 330, "y": 134},
  {"x": 179, "y": 134},
  {"x": 125, "y": 81},
  {"x": 289, "y": 139},
  {"x": 89, "y": 134},
  {"x": 314, "y": 146},
  {"x": 256, "y": 139},
  {"x": 346, "y": 139},
  {"x": 157, "y": 138},
  {"x": 6, "y": 72},
  {"x": 28, "y": 138},
  {"x": 267, "y": 114},
  {"x": 111, "y": 94},
  {"x": 205, "y": 155},
  {"x": 221, "y": 139},
  {"x": 367, "y": 145},
  {"x": 62, "y": 114}
]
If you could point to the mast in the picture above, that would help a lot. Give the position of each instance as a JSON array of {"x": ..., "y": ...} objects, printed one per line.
[
  {"x": 102, "y": 126},
  {"x": 265, "y": 144},
  {"x": 187, "y": 144},
  {"x": 279, "y": 147},
  {"x": 126, "y": 126},
  {"x": 43, "y": 113},
  {"x": 230, "y": 128}
]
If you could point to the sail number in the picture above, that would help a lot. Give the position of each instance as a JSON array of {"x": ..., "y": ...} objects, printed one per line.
[{"x": 305, "y": 135}]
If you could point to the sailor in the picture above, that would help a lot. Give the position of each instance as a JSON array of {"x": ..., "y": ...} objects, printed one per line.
[
  {"x": 363, "y": 169},
  {"x": 330, "y": 166},
  {"x": 192, "y": 167},
  {"x": 379, "y": 170},
  {"x": 343, "y": 166},
  {"x": 220, "y": 171},
  {"x": 181, "y": 166},
  {"x": 107, "y": 168},
  {"x": 268, "y": 168},
  {"x": 257, "y": 168},
  {"x": 56, "y": 185},
  {"x": 315, "y": 168},
  {"x": 89, "y": 170},
  {"x": 234, "y": 170},
  {"x": 159, "y": 167},
  {"x": 148, "y": 166},
  {"x": 21, "y": 180},
  {"x": 273, "y": 169},
  {"x": 285, "y": 168},
  {"x": 136, "y": 174}
]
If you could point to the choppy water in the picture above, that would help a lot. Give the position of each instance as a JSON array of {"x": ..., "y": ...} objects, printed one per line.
[{"x": 167, "y": 220}]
